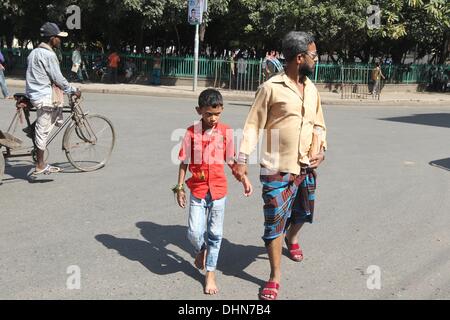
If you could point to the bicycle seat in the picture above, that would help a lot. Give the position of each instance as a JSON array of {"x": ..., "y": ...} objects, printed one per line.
[{"x": 21, "y": 96}]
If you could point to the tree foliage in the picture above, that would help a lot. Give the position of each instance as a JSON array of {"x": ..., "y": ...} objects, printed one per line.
[{"x": 340, "y": 26}]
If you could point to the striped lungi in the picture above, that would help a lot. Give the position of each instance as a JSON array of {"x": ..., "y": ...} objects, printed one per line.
[{"x": 288, "y": 198}]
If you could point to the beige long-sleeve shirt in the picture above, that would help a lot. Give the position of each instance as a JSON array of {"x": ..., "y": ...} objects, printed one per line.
[{"x": 287, "y": 120}]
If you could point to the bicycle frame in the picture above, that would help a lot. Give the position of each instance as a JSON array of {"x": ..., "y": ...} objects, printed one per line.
[
  {"x": 82, "y": 134},
  {"x": 60, "y": 128},
  {"x": 77, "y": 117}
]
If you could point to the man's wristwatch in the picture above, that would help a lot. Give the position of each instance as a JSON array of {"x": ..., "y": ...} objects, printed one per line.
[{"x": 242, "y": 158}]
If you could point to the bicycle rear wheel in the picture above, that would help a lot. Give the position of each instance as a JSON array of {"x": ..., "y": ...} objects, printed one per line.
[{"x": 89, "y": 145}]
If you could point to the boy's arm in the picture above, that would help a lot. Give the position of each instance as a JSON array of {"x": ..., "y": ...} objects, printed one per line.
[
  {"x": 182, "y": 173},
  {"x": 179, "y": 188}
]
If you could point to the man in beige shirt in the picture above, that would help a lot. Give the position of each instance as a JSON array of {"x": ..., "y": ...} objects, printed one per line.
[{"x": 288, "y": 112}]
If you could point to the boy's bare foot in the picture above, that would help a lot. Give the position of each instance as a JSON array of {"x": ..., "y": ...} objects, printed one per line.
[
  {"x": 200, "y": 260},
  {"x": 210, "y": 283}
]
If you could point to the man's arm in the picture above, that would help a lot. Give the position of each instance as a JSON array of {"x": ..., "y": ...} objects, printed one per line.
[
  {"x": 54, "y": 72},
  {"x": 316, "y": 160},
  {"x": 256, "y": 120}
]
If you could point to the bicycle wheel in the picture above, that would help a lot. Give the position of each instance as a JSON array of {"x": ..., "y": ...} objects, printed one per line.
[{"x": 89, "y": 145}]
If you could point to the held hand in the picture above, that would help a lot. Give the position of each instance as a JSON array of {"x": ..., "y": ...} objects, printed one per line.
[
  {"x": 240, "y": 171},
  {"x": 316, "y": 160},
  {"x": 248, "y": 188},
  {"x": 181, "y": 199}
]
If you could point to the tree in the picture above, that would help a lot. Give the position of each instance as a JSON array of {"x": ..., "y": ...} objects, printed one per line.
[
  {"x": 340, "y": 26},
  {"x": 414, "y": 23}
]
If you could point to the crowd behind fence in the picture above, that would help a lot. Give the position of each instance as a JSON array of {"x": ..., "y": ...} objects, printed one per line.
[{"x": 246, "y": 75}]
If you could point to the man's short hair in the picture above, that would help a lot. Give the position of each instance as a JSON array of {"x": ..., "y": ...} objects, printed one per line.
[
  {"x": 210, "y": 98},
  {"x": 296, "y": 42}
]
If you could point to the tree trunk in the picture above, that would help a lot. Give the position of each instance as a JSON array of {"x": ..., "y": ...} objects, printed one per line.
[
  {"x": 140, "y": 40},
  {"x": 444, "y": 50},
  {"x": 178, "y": 37}
]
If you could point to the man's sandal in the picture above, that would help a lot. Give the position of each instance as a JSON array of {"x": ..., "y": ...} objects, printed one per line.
[
  {"x": 295, "y": 252},
  {"x": 269, "y": 293},
  {"x": 47, "y": 170}
]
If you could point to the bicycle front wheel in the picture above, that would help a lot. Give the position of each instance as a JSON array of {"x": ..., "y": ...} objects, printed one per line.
[{"x": 89, "y": 144}]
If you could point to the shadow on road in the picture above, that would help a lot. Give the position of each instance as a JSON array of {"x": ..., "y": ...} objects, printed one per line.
[
  {"x": 67, "y": 167},
  {"x": 154, "y": 254},
  {"x": 428, "y": 119},
  {"x": 442, "y": 164},
  {"x": 20, "y": 171}
]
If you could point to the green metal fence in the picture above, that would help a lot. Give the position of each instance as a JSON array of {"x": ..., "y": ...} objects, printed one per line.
[
  {"x": 246, "y": 75},
  {"x": 401, "y": 74}
]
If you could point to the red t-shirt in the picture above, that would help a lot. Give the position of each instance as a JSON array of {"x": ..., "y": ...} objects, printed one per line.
[
  {"x": 206, "y": 153},
  {"x": 114, "y": 60}
]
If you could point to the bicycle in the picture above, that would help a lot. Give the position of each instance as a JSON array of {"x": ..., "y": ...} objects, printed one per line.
[{"x": 88, "y": 139}]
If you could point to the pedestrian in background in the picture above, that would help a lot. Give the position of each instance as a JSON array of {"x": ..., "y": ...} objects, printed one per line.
[
  {"x": 156, "y": 72},
  {"x": 113, "y": 66},
  {"x": 3, "y": 85},
  {"x": 76, "y": 64}
]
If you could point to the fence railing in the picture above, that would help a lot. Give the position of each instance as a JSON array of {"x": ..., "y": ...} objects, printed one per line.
[{"x": 242, "y": 74}]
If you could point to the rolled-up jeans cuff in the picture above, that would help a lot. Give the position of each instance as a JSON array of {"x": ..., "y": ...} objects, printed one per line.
[{"x": 210, "y": 269}]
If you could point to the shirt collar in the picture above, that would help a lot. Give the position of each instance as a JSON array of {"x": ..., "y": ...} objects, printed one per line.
[
  {"x": 45, "y": 46},
  {"x": 283, "y": 78},
  {"x": 198, "y": 127}
]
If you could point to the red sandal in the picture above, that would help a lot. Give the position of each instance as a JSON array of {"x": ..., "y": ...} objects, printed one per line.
[
  {"x": 268, "y": 293},
  {"x": 295, "y": 252}
]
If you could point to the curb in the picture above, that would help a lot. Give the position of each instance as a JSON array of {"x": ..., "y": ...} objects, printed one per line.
[{"x": 247, "y": 97}]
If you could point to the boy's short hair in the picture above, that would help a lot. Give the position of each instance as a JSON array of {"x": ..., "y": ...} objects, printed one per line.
[{"x": 210, "y": 98}]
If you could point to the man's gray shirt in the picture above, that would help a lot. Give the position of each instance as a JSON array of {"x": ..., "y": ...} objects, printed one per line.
[{"x": 43, "y": 70}]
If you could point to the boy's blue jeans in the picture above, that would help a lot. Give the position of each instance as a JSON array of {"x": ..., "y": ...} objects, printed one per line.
[
  {"x": 206, "y": 215},
  {"x": 3, "y": 86}
]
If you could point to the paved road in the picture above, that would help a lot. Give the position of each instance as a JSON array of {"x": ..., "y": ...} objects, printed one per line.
[{"x": 382, "y": 200}]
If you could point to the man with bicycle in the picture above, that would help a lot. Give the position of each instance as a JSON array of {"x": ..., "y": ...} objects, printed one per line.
[{"x": 45, "y": 87}]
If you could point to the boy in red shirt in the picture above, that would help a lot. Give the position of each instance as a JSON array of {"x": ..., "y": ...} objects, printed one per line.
[{"x": 206, "y": 147}]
